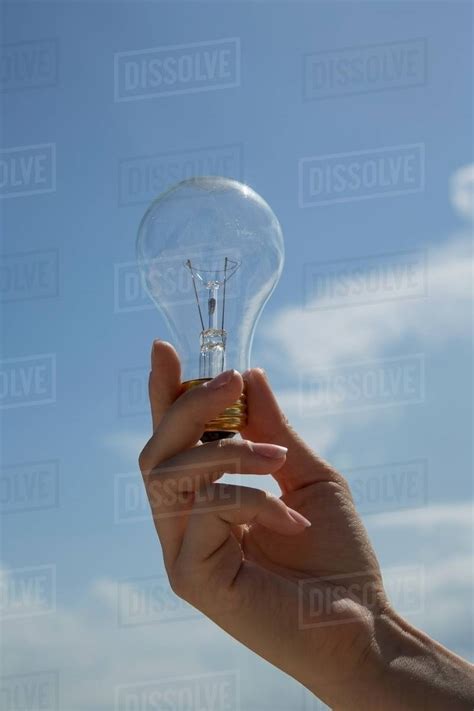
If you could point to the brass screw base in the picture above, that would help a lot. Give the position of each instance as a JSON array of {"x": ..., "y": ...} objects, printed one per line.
[{"x": 234, "y": 417}]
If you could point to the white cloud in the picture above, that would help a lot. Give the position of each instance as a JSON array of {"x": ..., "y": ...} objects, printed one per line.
[
  {"x": 93, "y": 654},
  {"x": 319, "y": 334},
  {"x": 459, "y": 515},
  {"x": 437, "y": 539},
  {"x": 456, "y": 572},
  {"x": 311, "y": 337},
  {"x": 307, "y": 338},
  {"x": 365, "y": 333}
]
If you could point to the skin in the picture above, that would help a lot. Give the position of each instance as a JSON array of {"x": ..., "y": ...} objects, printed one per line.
[{"x": 293, "y": 578}]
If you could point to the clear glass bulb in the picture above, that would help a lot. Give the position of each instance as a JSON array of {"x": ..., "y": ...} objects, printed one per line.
[{"x": 210, "y": 251}]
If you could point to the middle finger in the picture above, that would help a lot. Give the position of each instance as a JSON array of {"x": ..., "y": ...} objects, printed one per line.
[{"x": 171, "y": 485}]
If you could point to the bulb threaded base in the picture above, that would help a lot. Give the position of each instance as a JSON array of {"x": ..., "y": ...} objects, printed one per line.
[{"x": 229, "y": 422}]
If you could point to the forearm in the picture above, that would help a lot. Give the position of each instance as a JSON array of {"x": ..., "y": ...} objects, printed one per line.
[{"x": 410, "y": 671}]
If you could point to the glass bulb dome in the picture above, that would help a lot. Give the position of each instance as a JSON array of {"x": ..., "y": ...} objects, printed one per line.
[{"x": 210, "y": 251}]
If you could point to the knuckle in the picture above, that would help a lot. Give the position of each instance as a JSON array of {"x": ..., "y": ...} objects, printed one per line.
[
  {"x": 341, "y": 482},
  {"x": 180, "y": 581},
  {"x": 246, "y": 447},
  {"x": 148, "y": 455},
  {"x": 177, "y": 583},
  {"x": 142, "y": 459},
  {"x": 263, "y": 497},
  {"x": 229, "y": 458},
  {"x": 340, "y": 488}
]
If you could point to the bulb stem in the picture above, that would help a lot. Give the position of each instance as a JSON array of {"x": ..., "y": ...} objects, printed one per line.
[{"x": 212, "y": 352}]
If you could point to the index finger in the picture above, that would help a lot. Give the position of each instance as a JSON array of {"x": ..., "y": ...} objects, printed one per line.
[{"x": 182, "y": 424}]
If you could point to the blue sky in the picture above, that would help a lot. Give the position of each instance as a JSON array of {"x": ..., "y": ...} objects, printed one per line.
[{"x": 259, "y": 128}]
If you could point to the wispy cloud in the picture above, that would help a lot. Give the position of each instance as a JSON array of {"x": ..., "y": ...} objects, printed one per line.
[
  {"x": 323, "y": 333},
  {"x": 320, "y": 333},
  {"x": 334, "y": 337},
  {"x": 309, "y": 337},
  {"x": 330, "y": 336},
  {"x": 457, "y": 515},
  {"x": 93, "y": 653},
  {"x": 438, "y": 539}
]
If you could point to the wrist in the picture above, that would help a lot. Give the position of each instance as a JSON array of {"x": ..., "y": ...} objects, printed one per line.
[{"x": 405, "y": 669}]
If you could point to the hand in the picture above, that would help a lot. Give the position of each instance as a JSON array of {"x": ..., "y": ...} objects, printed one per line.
[
  {"x": 308, "y": 598},
  {"x": 241, "y": 563}
]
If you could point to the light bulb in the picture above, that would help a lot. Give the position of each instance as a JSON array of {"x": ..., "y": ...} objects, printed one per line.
[{"x": 210, "y": 251}]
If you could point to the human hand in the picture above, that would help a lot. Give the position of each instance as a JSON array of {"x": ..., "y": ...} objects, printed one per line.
[
  {"x": 309, "y": 599},
  {"x": 239, "y": 554}
]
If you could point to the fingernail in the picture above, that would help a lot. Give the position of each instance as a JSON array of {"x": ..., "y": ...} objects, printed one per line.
[
  {"x": 272, "y": 451},
  {"x": 220, "y": 380},
  {"x": 298, "y": 518},
  {"x": 248, "y": 372}
]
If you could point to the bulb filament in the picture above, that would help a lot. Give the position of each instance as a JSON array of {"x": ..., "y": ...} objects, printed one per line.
[{"x": 212, "y": 339}]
